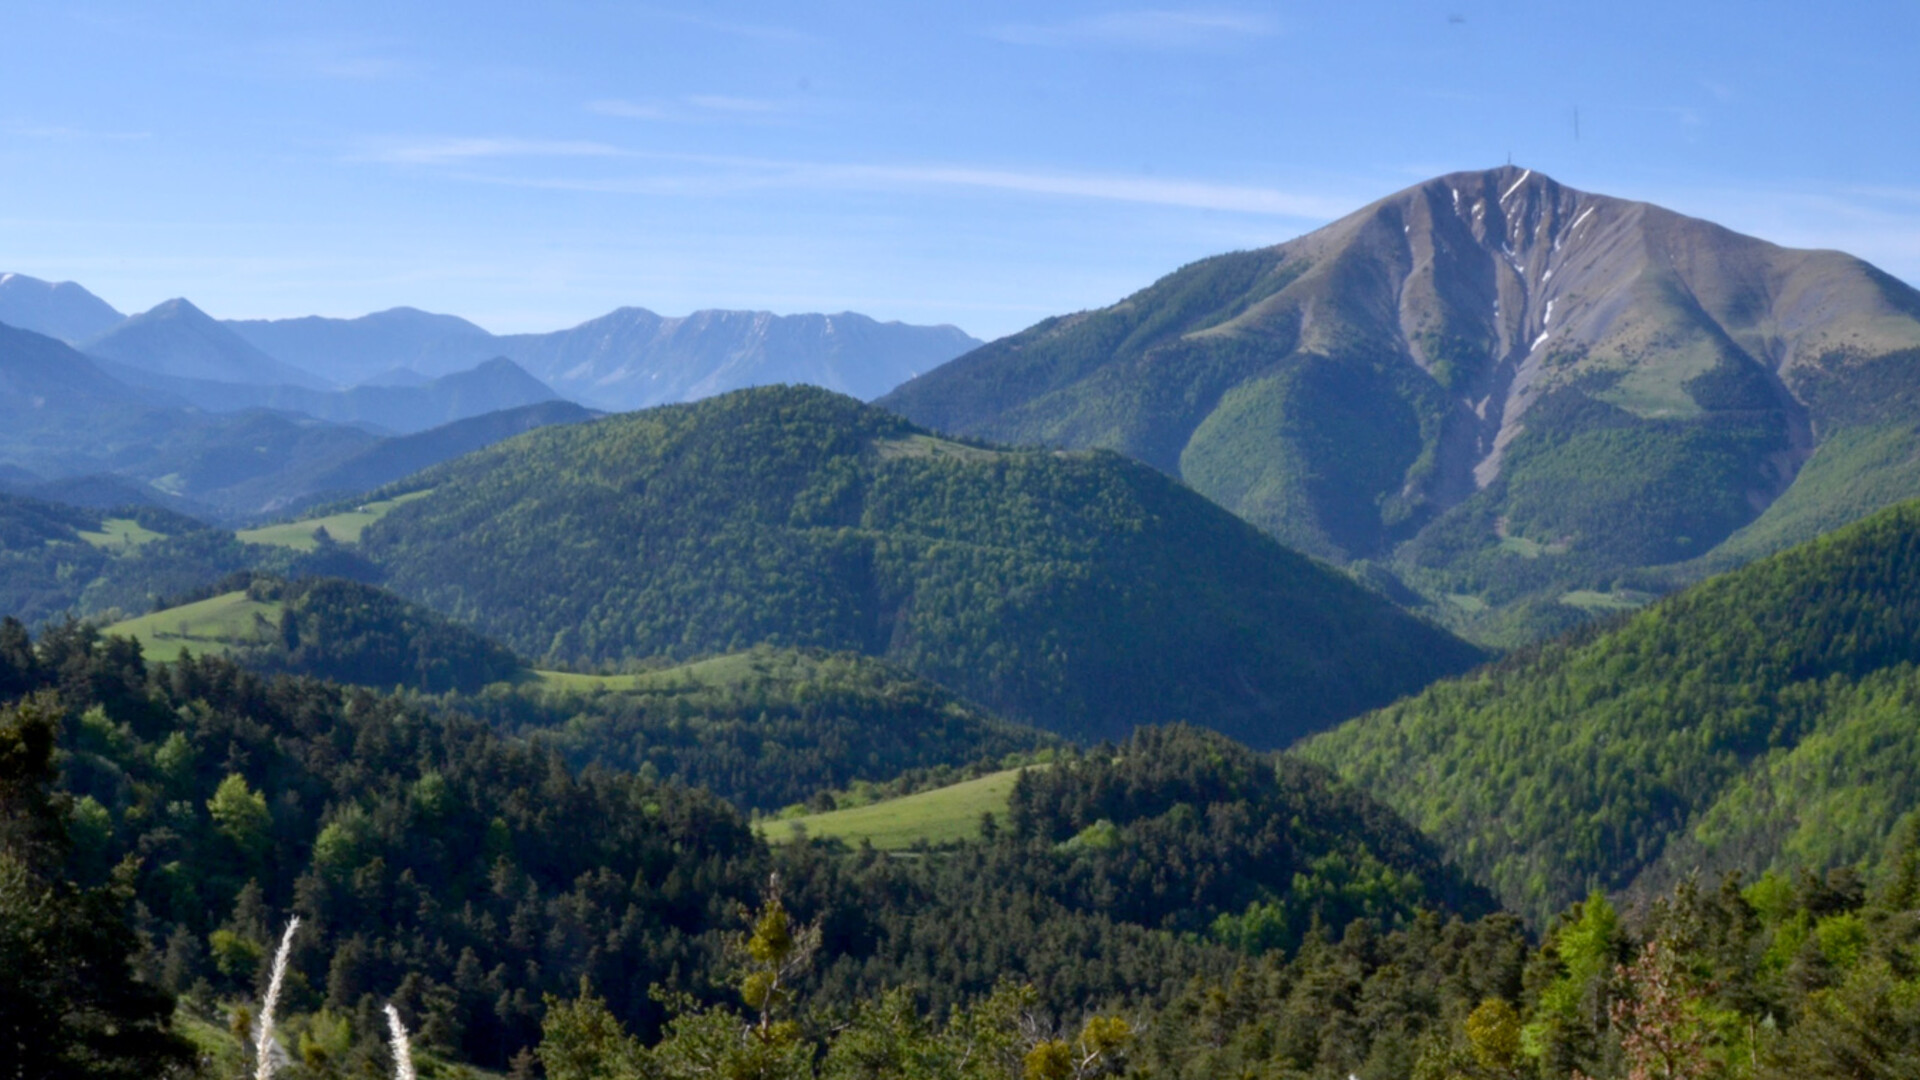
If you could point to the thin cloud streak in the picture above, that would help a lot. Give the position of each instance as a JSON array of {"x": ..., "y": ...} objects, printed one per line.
[
  {"x": 450, "y": 150},
  {"x": 746, "y": 174},
  {"x": 1149, "y": 29}
]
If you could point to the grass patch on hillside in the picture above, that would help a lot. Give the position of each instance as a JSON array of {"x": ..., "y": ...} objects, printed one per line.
[
  {"x": 1530, "y": 549},
  {"x": 928, "y": 446},
  {"x": 120, "y": 535},
  {"x": 719, "y": 672},
  {"x": 344, "y": 527},
  {"x": 216, "y": 625},
  {"x": 1596, "y": 602},
  {"x": 940, "y": 816}
]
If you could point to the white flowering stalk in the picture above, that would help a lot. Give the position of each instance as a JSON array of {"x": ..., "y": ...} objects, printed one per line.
[
  {"x": 402, "y": 1053},
  {"x": 263, "y": 1044}
]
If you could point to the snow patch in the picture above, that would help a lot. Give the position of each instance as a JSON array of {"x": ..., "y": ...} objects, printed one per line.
[
  {"x": 1456, "y": 199},
  {"x": 4, "y": 278},
  {"x": 1548, "y": 321},
  {"x": 1576, "y": 221},
  {"x": 1516, "y": 184},
  {"x": 1548, "y": 276},
  {"x": 1537, "y": 341}
]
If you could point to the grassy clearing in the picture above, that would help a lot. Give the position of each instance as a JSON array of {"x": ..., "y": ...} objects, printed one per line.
[
  {"x": 940, "y": 816},
  {"x": 120, "y": 535},
  {"x": 1603, "y": 603},
  {"x": 1530, "y": 549},
  {"x": 344, "y": 527},
  {"x": 216, "y": 625},
  {"x": 1466, "y": 602},
  {"x": 719, "y": 672},
  {"x": 927, "y": 446}
]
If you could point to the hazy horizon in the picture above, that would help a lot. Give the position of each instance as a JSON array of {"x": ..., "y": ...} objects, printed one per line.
[{"x": 981, "y": 165}]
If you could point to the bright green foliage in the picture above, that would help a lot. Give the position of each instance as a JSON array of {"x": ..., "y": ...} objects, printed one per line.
[
  {"x": 70, "y": 1008},
  {"x": 1081, "y": 593},
  {"x": 1759, "y": 719},
  {"x": 240, "y": 814}
]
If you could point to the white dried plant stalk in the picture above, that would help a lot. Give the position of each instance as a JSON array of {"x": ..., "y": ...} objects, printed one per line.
[
  {"x": 263, "y": 1044},
  {"x": 402, "y": 1052}
]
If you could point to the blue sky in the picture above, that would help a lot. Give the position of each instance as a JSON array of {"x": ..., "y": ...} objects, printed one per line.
[{"x": 529, "y": 166}]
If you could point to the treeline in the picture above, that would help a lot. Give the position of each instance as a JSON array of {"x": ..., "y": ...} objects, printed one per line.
[
  {"x": 332, "y": 628},
  {"x": 1761, "y": 719},
  {"x": 1816, "y": 978},
  {"x": 798, "y": 723}
]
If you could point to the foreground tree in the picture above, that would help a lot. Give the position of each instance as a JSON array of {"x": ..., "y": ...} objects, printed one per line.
[{"x": 70, "y": 1005}]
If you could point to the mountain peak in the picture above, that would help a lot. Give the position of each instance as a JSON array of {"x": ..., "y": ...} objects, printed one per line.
[
  {"x": 1485, "y": 367},
  {"x": 57, "y": 309}
]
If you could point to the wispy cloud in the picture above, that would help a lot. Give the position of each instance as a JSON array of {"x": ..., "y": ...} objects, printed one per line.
[
  {"x": 446, "y": 151},
  {"x": 1146, "y": 29},
  {"x": 697, "y": 175}
]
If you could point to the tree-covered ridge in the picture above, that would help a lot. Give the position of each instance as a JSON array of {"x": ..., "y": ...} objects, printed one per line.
[
  {"x": 1760, "y": 719},
  {"x": 465, "y": 875},
  {"x": 331, "y": 628},
  {"x": 1080, "y": 593},
  {"x": 775, "y": 728},
  {"x": 432, "y": 862}
]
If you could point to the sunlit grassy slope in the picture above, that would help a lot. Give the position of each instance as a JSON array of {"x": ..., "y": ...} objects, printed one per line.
[
  {"x": 938, "y": 816},
  {"x": 215, "y": 625},
  {"x": 344, "y": 527},
  {"x": 735, "y": 669},
  {"x": 119, "y": 535}
]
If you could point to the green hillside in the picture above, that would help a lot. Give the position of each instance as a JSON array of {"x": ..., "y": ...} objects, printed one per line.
[
  {"x": 1761, "y": 720},
  {"x": 1488, "y": 391},
  {"x": 215, "y": 626},
  {"x": 342, "y": 527},
  {"x": 939, "y": 816},
  {"x": 1081, "y": 593},
  {"x": 328, "y": 628},
  {"x": 764, "y": 729}
]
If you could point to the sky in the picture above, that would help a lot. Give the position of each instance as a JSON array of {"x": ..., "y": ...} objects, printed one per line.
[{"x": 532, "y": 165}]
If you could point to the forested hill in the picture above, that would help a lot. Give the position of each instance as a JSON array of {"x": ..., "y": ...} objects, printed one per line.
[
  {"x": 1762, "y": 719},
  {"x": 463, "y": 875},
  {"x": 1081, "y": 593}
]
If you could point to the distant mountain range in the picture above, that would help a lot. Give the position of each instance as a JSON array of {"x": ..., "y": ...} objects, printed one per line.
[
  {"x": 179, "y": 340},
  {"x": 629, "y": 359},
  {"x": 63, "y": 310},
  {"x": 71, "y": 431},
  {"x": 1523, "y": 402}
]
